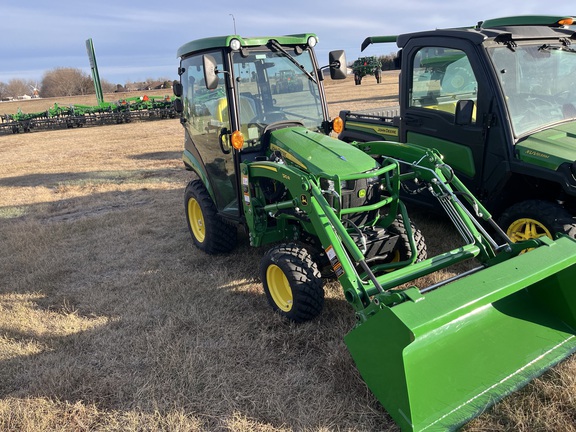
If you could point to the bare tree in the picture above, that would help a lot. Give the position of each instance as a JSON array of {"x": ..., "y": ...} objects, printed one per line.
[
  {"x": 66, "y": 82},
  {"x": 3, "y": 91},
  {"x": 107, "y": 86},
  {"x": 18, "y": 88}
]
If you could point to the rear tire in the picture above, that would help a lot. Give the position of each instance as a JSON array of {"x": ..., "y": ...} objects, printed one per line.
[
  {"x": 292, "y": 282},
  {"x": 209, "y": 232},
  {"x": 535, "y": 218}
]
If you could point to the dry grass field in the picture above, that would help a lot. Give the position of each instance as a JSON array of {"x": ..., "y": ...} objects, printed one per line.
[{"x": 111, "y": 320}]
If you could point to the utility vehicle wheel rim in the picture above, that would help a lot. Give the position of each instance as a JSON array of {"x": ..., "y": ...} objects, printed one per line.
[
  {"x": 395, "y": 257},
  {"x": 196, "y": 219},
  {"x": 525, "y": 229},
  {"x": 279, "y": 288}
]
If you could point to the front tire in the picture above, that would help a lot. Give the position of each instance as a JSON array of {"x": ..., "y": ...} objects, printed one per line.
[
  {"x": 209, "y": 232},
  {"x": 535, "y": 218},
  {"x": 292, "y": 282}
]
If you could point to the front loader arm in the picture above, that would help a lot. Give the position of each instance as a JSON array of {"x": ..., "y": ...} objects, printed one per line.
[{"x": 304, "y": 210}]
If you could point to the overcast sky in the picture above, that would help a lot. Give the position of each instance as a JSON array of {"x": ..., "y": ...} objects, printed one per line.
[{"x": 136, "y": 40}]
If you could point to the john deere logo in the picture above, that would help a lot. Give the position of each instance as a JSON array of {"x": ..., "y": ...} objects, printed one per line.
[
  {"x": 361, "y": 193},
  {"x": 303, "y": 200}
]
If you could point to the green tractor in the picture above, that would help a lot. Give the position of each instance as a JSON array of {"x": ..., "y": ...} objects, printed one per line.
[{"x": 435, "y": 356}]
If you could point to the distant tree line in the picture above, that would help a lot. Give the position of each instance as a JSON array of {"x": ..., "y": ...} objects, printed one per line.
[
  {"x": 388, "y": 61},
  {"x": 65, "y": 81}
]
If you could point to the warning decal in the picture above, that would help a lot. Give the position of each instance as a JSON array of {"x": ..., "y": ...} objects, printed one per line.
[{"x": 334, "y": 261}]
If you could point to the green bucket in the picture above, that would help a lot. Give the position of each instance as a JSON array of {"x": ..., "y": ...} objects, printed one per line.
[{"x": 438, "y": 362}]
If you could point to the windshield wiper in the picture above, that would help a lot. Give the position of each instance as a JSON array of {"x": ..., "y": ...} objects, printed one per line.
[{"x": 275, "y": 45}]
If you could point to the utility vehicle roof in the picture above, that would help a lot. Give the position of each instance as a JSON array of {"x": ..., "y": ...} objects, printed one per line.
[
  {"x": 224, "y": 41},
  {"x": 507, "y": 28}
]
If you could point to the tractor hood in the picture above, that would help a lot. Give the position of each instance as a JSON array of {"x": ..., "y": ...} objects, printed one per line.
[
  {"x": 317, "y": 153},
  {"x": 549, "y": 148}
]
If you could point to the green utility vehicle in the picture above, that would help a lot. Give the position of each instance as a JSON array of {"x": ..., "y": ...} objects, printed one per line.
[
  {"x": 436, "y": 355},
  {"x": 498, "y": 101},
  {"x": 366, "y": 66}
]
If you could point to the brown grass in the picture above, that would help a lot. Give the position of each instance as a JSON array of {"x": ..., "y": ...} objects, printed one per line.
[{"x": 110, "y": 319}]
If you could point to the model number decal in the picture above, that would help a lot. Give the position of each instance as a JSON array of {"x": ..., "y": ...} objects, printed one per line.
[{"x": 538, "y": 154}]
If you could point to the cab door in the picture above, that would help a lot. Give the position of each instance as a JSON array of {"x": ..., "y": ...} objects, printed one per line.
[{"x": 207, "y": 123}]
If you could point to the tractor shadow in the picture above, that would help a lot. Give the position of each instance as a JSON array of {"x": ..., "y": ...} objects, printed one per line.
[{"x": 119, "y": 309}]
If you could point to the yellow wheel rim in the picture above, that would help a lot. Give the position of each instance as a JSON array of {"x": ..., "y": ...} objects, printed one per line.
[
  {"x": 196, "y": 219},
  {"x": 279, "y": 288},
  {"x": 525, "y": 229}
]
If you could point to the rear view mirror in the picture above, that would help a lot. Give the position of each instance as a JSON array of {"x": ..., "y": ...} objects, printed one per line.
[
  {"x": 178, "y": 105},
  {"x": 177, "y": 88},
  {"x": 338, "y": 68},
  {"x": 210, "y": 71}
]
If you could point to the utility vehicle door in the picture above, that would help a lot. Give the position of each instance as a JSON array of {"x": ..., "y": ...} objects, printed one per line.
[{"x": 446, "y": 102}]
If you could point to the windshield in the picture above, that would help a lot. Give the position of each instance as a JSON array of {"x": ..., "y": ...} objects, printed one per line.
[
  {"x": 539, "y": 84},
  {"x": 275, "y": 86}
]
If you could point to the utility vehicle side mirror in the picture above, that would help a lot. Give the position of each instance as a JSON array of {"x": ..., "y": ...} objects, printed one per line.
[
  {"x": 178, "y": 105},
  {"x": 464, "y": 111},
  {"x": 338, "y": 66},
  {"x": 210, "y": 71}
]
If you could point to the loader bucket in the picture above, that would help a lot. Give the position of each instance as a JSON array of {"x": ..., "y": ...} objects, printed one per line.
[{"x": 438, "y": 362}]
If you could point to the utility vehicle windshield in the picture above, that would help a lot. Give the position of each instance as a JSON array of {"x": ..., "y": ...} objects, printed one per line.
[
  {"x": 539, "y": 83},
  {"x": 276, "y": 86}
]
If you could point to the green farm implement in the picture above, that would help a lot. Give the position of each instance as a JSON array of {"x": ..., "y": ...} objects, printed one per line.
[
  {"x": 137, "y": 108},
  {"x": 436, "y": 353},
  {"x": 366, "y": 66}
]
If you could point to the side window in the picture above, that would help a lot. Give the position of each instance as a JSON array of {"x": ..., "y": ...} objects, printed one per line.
[
  {"x": 440, "y": 78},
  {"x": 206, "y": 110},
  {"x": 208, "y": 123}
]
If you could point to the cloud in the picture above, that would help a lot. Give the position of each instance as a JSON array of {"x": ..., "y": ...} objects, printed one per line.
[{"x": 139, "y": 39}]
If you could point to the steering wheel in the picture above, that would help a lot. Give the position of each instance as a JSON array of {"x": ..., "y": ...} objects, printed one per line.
[{"x": 537, "y": 111}]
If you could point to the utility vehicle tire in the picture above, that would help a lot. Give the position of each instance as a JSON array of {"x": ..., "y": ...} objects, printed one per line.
[
  {"x": 403, "y": 251},
  {"x": 292, "y": 282},
  {"x": 535, "y": 218},
  {"x": 209, "y": 232}
]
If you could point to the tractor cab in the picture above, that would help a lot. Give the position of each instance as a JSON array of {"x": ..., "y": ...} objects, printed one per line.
[{"x": 235, "y": 90}]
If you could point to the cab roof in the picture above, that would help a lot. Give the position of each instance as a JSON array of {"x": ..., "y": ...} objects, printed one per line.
[{"x": 224, "y": 41}]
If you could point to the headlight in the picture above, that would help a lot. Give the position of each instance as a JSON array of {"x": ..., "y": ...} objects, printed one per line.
[
  {"x": 312, "y": 41},
  {"x": 235, "y": 44}
]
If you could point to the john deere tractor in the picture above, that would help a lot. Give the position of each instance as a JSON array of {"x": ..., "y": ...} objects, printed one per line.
[{"x": 435, "y": 356}]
